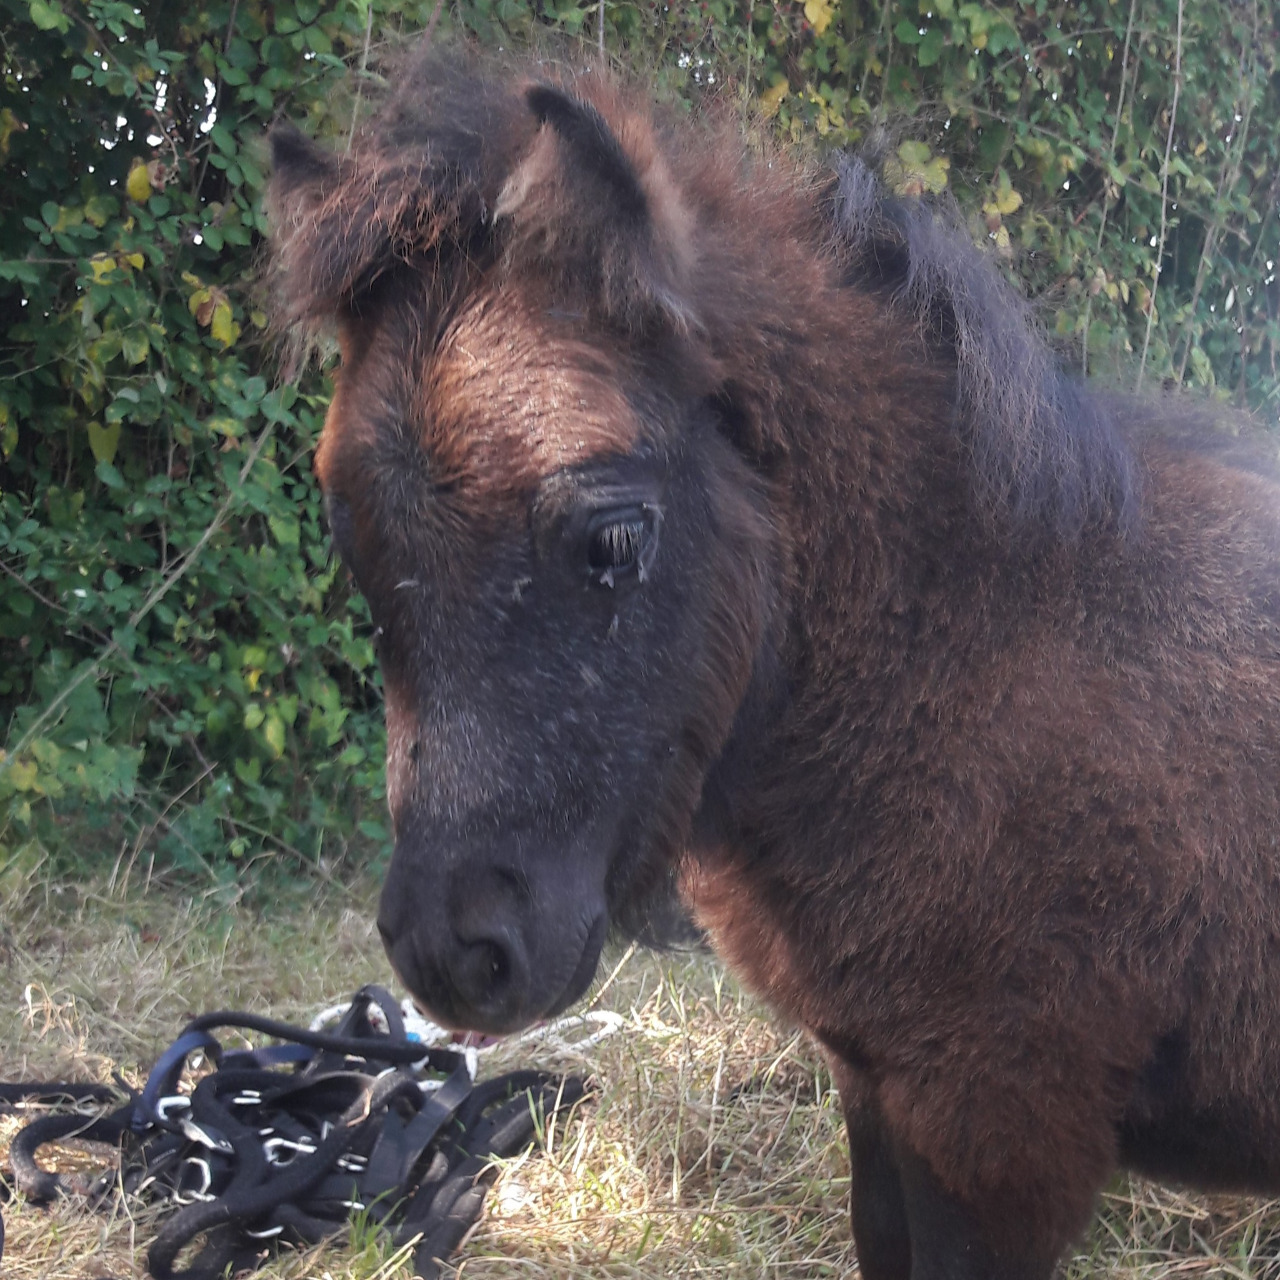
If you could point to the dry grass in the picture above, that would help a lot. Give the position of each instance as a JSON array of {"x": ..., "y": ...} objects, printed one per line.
[{"x": 713, "y": 1147}]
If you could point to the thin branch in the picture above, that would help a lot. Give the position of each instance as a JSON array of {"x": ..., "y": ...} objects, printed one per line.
[
  {"x": 1164, "y": 195},
  {"x": 431, "y": 26},
  {"x": 39, "y": 595},
  {"x": 217, "y": 99},
  {"x": 364, "y": 67},
  {"x": 93, "y": 669},
  {"x": 1106, "y": 191},
  {"x": 1035, "y": 127},
  {"x": 1232, "y": 162},
  {"x": 1064, "y": 39}
]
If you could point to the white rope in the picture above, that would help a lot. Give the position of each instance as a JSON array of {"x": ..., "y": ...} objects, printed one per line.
[{"x": 574, "y": 1033}]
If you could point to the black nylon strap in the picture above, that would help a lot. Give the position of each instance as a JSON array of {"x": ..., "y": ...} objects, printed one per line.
[
  {"x": 282, "y": 1142},
  {"x": 401, "y": 1145}
]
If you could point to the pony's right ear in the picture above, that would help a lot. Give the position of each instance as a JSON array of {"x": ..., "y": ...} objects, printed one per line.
[
  {"x": 597, "y": 203},
  {"x": 299, "y": 167}
]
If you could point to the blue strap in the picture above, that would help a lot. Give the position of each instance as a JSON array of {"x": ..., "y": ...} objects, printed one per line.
[{"x": 164, "y": 1078}]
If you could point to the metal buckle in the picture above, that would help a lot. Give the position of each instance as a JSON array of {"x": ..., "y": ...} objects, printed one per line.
[
  {"x": 204, "y": 1137},
  {"x": 172, "y": 1102},
  {"x": 273, "y": 1146},
  {"x": 195, "y": 1193}
]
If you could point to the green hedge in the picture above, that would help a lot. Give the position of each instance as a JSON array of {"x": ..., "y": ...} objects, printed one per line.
[{"x": 186, "y": 677}]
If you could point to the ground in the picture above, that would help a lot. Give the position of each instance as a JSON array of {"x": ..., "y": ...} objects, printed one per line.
[{"x": 713, "y": 1146}]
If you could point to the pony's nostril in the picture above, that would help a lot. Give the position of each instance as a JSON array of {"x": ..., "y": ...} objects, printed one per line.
[{"x": 485, "y": 976}]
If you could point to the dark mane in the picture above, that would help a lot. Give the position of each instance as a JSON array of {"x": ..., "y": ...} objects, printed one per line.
[{"x": 1046, "y": 451}]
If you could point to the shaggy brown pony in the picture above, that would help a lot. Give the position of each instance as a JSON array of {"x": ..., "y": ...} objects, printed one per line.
[{"x": 728, "y": 519}]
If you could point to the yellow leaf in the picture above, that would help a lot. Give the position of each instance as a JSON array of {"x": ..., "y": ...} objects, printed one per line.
[
  {"x": 9, "y": 125},
  {"x": 935, "y": 174},
  {"x": 273, "y": 731},
  {"x": 104, "y": 440},
  {"x": 819, "y": 13},
  {"x": 252, "y": 678},
  {"x": 135, "y": 260},
  {"x": 223, "y": 325},
  {"x": 913, "y": 171},
  {"x": 138, "y": 184},
  {"x": 1007, "y": 199},
  {"x": 771, "y": 98},
  {"x": 102, "y": 265},
  {"x": 23, "y": 774}
]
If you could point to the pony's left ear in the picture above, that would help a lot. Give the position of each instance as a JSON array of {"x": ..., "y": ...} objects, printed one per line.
[
  {"x": 299, "y": 166},
  {"x": 601, "y": 209}
]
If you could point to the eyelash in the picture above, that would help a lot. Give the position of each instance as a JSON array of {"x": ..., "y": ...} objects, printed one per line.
[{"x": 621, "y": 543}]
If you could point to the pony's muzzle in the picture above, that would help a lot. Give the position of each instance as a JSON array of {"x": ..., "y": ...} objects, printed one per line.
[
  {"x": 476, "y": 982},
  {"x": 478, "y": 954}
]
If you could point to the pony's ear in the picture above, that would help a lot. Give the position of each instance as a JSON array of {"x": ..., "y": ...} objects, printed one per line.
[
  {"x": 596, "y": 155},
  {"x": 299, "y": 166},
  {"x": 600, "y": 210}
]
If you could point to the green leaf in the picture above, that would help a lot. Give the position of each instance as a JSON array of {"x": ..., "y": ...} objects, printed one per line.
[
  {"x": 284, "y": 529},
  {"x": 48, "y": 15},
  {"x": 135, "y": 346},
  {"x": 103, "y": 441},
  {"x": 931, "y": 47}
]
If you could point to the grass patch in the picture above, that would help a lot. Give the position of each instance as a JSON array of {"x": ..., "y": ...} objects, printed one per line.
[{"x": 714, "y": 1146}]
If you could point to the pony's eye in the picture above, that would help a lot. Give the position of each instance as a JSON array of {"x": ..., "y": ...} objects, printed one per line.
[{"x": 620, "y": 543}]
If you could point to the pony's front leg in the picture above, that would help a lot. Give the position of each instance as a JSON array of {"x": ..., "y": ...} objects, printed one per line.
[
  {"x": 950, "y": 1241},
  {"x": 880, "y": 1230},
  {"x": 999, "y": 1161}
]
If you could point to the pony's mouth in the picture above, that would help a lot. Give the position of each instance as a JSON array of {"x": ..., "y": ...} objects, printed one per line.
[
  {"x": 573, "y": 990},
  {"x": 581, "y": 977}
]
